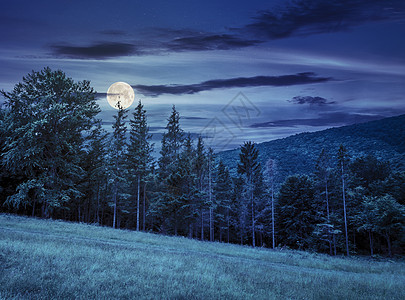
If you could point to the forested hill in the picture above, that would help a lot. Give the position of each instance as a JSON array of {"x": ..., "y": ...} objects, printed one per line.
[{"x": 298, "y": 154}]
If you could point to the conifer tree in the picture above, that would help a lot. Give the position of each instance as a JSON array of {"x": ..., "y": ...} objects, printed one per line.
[
  {"x": 188, "y": 184},
  {"x": 169, "y": 203},
  {"x": 200, "y": 169},
  {"x": 95, "y": 168},
  {"x": 118, "y": 159},
  {"x": 139, "y": 156},
  {"x": 248, "y": 166},
  {"x": 241, "y": 210},
  {"x": 223, "y": 194},
  {"x": 172, "y": 141},
  {"x": 296, "y": 217},
  {"x": 211, "y": 204}
]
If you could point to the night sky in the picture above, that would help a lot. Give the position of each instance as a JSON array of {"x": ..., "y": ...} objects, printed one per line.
[{"x": 236, "y": 70}]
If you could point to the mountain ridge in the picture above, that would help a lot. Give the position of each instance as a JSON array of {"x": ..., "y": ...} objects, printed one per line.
[{"x": 297, "y": 154}]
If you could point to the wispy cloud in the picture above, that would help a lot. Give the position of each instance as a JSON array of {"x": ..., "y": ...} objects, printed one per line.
[
  {"x": 209, "y": 42},
  {"x": 155, "y": 42},
  {"x": 307, "y": 17},
  {"x": 295, "y": 18},
  {"x": 95, "y": 51},
  {"x": 316, "y": 101},
  {"x": 284, "y": 80}
]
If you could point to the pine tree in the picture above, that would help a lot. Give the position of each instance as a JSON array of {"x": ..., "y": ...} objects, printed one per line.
[
  {"x": 188, "y": 185},
  {"x": 201, "y": 170},
  {"x": 223, "y": 193},
  {"x": 248, "y": 166},
  {"x": 296, "y": 211},
  {"x": 95, "y": 168},
  {"x": 169, "y": 203},
  {"x": 241, "y": 207},
  {"x": 49, "y": 114},
  {"x": 172, "y": 142},
  {"x": 211, "y": 204},
  {"x": 139, "y": 157},
  {"x": 118, "y": 155}
]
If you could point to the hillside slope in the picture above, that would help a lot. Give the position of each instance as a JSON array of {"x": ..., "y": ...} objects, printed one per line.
[
  {"x": 298, "y": 153},
  {"x": 46, "y": 259}
]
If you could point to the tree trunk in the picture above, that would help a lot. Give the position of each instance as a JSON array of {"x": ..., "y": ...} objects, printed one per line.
[
  {"x": 211, "y": 229},
  {"x": 354, "y": 240},
  {"x": 253, "y": 212},
  {"x": 144, "y": 207},
  {"x": 272, "y": 216},
  {"x": 115, "y": 204},
  {"x": 221, "y": 229},
  {"x": 334, "y": 244},
  {"x": 370, "y": 235},
  {"x": 328, "y": 215},
  {"x": 202, "y": 224},
  {"x": 190, "y": 230},
  {"x": 78, "y": 213},
  {"x": 211, "y": 204},
  {"x": 33, "y": 208},
  {"x": 98, "y": 204},
  {"x": 137, "y": 203},
  {"x": 344, "y": 209},
  {"x": 387, "y": 237},
  {"x": 227, "y": 219}
]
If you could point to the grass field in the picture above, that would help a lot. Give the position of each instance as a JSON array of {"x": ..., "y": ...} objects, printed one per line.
[{"x": 45, "y": 259}]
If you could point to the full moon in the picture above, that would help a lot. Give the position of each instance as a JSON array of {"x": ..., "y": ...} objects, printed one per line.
[{"x": 120, "y": 92}]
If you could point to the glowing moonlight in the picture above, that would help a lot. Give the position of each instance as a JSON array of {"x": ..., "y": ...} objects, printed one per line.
[{"x": 120, "y": 92}]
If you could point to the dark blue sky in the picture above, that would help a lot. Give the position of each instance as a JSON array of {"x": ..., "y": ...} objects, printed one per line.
[{"x": 236, "y": 70}]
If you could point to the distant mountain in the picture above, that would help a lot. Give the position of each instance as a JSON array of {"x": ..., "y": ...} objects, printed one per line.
[{"x": 297, "y": 154}]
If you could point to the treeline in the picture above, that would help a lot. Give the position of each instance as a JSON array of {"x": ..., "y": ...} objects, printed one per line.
[{"x": 57, "y": 161}]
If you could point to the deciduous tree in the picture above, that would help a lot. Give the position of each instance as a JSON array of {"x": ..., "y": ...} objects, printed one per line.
[{"x": 49, "y": 116}]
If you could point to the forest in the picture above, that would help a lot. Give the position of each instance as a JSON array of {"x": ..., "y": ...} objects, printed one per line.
[{"x": 57, "y": 161}]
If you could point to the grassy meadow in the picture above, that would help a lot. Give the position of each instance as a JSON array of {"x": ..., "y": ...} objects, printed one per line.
[{"x": 46, "y": 259}]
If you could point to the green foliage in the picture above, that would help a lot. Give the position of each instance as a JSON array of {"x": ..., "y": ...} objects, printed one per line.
[
  {"x": 297, "y": 212},
  {"x": 139, "y": 157},
  {"x": 248, "y": 159},
  {"x": 56, "y": 159},
  {"x": 251, "y": 169},
  {"x": 298, "y": 154},
  {"x": 367, "y": 170},
  {"x": 394, "y": 185},
  {"x": 223, "y": 192},
  {"x": 117, "y": 163},
  {"x": 95, "y": 168},
  {"x": 48, "y": 116},
  {"x": 169, "y": 200},
  {"x": 139, "y": 160}
]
